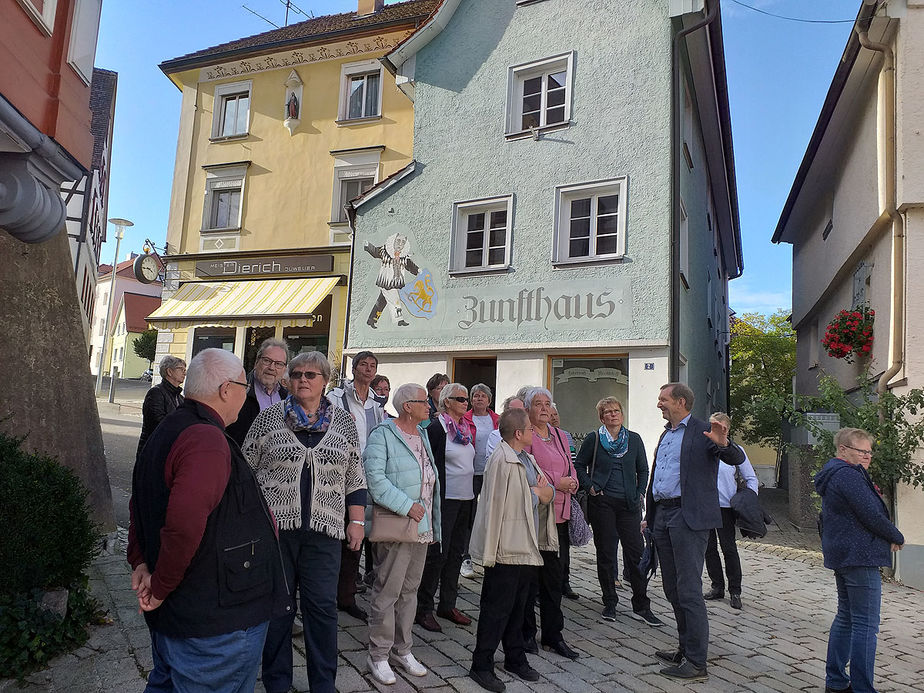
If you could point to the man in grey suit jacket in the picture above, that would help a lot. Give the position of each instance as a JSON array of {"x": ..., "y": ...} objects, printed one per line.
[{"x": 682, "y": 505}]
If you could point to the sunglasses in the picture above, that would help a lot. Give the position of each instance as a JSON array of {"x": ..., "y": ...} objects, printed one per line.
[
  {"x": 298, "y": 375},
  {"x": 463, "y": 400}
]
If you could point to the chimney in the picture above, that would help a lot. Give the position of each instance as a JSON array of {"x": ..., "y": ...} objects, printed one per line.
[{"x": 369, "y": 7}]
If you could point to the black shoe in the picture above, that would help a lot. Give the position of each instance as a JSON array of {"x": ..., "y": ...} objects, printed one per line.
[
  {"x": 669, "y": 656},
  {"x": 355, "y": 611},
  {"x": 569, "y": 593},
  {"x": 531, "y": 647},
  {"x": 686, "y": 671},
  {"x": 487, "y": 680},
  {"x": 428, "y": 622},
  {"x": 647, "y": 617},
  {"x": 561, "y": 648},
  {"x": 714, "y": 594},
  {"x": 735, "y": 601},
  {"x": 524, "y": 671},
  {"x": 609, "y": 613},
  {"x": 849, "y": 689}
]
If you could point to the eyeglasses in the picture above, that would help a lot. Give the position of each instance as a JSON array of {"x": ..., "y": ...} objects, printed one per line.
[
  {"x": 270, "y": 362},
  {"x": 298, "y": 375},
  {"x": 415, "y": 401},
  {"x": 238, "y": 382},
  {"x": 865, "y": 453},
  {"x": 463, "y": 400}
]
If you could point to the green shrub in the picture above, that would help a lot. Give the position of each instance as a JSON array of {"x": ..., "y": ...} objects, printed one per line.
[
  {"x": 30, "y": 636},
  {"x": 49, "y": 538}
]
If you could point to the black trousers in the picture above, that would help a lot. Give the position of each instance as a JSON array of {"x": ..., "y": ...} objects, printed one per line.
[
  {"x": 564, "y": 552},
  {"x": 444, "y": 559},
  {"x": 477, "y": 483},
  {"x": 546, "y": 586},
  {"x": 726, "y": 537},
  {"x": 613, "y": 521},
  {"x": 503, "y": 599},
  {"x": 346, "y": 581}
]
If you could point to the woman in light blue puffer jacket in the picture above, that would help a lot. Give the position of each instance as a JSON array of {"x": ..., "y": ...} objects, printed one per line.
[{"x": 402, "y": 478}]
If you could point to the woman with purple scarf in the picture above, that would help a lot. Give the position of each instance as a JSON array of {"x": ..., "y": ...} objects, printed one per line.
[
  {"x": 304, "y": 451},
  {"x": 450, "y": 438}
]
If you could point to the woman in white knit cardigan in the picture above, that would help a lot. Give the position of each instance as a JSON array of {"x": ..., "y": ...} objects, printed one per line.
[{"x": 305, "y": 453}]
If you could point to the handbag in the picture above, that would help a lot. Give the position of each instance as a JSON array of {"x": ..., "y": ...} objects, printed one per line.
[
  {"x": 579, "y": 532},
  {"x": 388, "y": 526}
]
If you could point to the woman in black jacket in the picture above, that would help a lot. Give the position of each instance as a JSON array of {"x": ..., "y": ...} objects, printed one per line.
[
  {"x": 163, "y": 398},
  {"x": 613, "y": 468}
]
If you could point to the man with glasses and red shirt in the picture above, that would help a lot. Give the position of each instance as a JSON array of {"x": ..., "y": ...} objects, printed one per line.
[{"x": 264, "y": 386}]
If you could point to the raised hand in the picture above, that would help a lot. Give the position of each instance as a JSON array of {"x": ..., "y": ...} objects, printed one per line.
[{"x": 718, "y": 434}]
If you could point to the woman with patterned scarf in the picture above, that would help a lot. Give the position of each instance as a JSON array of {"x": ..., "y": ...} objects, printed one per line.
[
  {"x": 613, "y": 468},
  {"x": 305, "y": 453},
  {"x": 450, "y": 437}
]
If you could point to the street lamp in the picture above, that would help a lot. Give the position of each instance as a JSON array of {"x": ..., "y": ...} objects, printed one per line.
[{"x": 121, "y": 225}]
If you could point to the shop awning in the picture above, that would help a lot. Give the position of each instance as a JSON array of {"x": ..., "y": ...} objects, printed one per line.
[{"x": 261, "y": 303}]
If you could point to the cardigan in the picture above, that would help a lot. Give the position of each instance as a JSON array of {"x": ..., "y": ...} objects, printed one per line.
[
  {"x": 278, "y": 459},
  {"x": 856, "y": 530},
  {"x": 394, "y": 476},
  {"x": 634, "y": 467},
  {"x": 504, "y": 530}
]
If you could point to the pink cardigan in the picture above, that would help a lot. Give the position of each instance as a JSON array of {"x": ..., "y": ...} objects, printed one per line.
[{"x": 556, "y": 463}]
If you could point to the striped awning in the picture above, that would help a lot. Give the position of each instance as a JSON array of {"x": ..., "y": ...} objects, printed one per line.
[{"x": 261, "y": 303}]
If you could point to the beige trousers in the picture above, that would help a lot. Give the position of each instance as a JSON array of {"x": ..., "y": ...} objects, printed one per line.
[{"x": 398, "y": 567}]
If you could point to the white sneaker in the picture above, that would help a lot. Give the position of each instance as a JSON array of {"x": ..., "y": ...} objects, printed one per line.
[
  {"x": 381, "y": 672},
  {"x": 467, "y": 570},
  {"x": 410, "y": 664}
]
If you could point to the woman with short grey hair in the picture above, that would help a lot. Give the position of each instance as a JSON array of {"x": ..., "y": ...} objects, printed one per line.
[
  {"x": 482, "y": 422},
  {"x": 450, "y": 438},
  {"x": 305, "y": 453},
  {"x": 163, "y": 398}
]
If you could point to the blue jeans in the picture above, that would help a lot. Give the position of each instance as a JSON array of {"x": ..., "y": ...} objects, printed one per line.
[
  {"x": 312, "y": 563},
  {"x": 228, "y": 663},
  {"x": 853, "y": 632}
]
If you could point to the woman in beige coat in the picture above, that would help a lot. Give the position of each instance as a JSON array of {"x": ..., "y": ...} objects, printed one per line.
[{"x": 512, "y": 525}]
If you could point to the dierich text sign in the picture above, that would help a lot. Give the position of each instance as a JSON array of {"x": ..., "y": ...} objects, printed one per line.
[{"x": 252, "y": 267}]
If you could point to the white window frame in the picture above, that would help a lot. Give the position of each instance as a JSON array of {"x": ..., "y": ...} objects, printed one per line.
[
  {"x": 347, "y": 72},
  {"x": 564, "y": 194},
  {"x": 81, "y": 50},
  {"x": 517, "y": 76},
  {"x": 44, "y": 19},
  {"x": 223, "y": 92},
  {"x": 218, "y": 179},
  {"x": 350, "y": 165},
  {"x": 460, "y": 213}
]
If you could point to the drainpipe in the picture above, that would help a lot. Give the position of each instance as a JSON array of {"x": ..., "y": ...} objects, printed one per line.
[
  {"x": 676, "y": 141},
  {"x": 890, "y": 173}
]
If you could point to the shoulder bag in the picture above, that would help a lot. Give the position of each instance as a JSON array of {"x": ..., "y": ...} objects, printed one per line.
[
  {"x": 579, "y": 532},
  {"x": 388, "y": 526}
]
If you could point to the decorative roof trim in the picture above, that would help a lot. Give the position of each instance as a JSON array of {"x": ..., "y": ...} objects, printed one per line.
[{"x": 427, "y": 31}]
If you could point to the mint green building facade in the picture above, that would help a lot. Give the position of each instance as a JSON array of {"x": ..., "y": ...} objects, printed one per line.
[{"x": 530, "y": 241}]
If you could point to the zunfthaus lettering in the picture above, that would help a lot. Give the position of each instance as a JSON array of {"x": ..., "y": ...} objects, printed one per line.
[{"x": 538, "y": 306}]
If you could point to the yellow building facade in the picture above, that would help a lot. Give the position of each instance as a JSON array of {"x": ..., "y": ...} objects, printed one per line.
[{"x": 277, "y": 132}]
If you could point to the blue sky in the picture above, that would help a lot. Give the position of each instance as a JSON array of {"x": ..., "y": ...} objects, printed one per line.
[{"x": 778, "y": 75}]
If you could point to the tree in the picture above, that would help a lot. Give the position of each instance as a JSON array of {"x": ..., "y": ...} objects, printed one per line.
[
  {"x": 892, "y": 420},
  {"x": 145, "y": 346},
  {"x": 763, "y": 362}
]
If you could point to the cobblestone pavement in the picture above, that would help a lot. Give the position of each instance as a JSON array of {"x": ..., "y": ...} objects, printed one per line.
[{"x": 776, "y": 643}]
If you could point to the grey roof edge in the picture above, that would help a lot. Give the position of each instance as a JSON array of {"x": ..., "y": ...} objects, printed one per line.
[
  {"x": 838, "y": 82},
  {"x": 717, "y": 44}
]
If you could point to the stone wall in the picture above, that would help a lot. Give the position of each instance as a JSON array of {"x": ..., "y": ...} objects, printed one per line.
[{"x": 46, "y": 391}]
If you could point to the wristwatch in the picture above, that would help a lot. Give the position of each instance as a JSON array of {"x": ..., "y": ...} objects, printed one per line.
[{"x": 361, "y": 523}]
